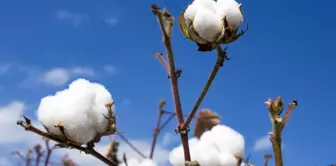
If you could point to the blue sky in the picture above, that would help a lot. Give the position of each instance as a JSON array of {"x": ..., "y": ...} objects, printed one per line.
[{"x": 286, "y": 52}]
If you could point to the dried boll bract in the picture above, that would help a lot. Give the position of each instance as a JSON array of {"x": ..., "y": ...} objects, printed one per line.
[{"x": 78, "y": 113}]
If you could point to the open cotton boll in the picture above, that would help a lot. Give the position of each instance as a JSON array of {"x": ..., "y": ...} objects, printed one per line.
[
  {"x": 226, "y": 140},
  {"x": 226, "y": 159},
  {"x": 206, "y": 154},
  {"x": 176, "y": 156},
  {"x": 103, "y": 97},
  {"x": 230, "y": 9},
  {"x": 136, "y": 162},
  {"x": 147, "y": 162},
  {"x": 207, "y": 24},
  {"x": 77, "y": 109}
]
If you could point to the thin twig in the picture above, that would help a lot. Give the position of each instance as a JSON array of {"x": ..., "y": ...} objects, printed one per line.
[
  {"x": 39, "y": 153},
  {"x": 157, "y": 128},
  {"x": 130, "y": 144},
  {"x": 28, "y": 127},
  {"x": 163, "y": 15},
  {"x": 267, "y": 157},
  {"x": 49, "y": 151},
  {"x": 221, "y": 55},
  {"x": 164, "y": 63}
]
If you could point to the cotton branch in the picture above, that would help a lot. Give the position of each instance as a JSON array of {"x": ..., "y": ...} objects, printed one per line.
[
  {"x": 275, "y": 109},
  {"x": 165, "y": 20},
  {"x": 221, "y": 57},
  {"x": 63, "y": 142}
]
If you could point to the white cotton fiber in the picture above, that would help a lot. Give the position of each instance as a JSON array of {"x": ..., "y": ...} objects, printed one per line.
[
  {"x": 79, "y": 109},
  {"x": 220, "y": 146}
]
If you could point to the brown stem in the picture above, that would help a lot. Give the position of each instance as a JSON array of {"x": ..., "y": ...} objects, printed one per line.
[
  {"x": 131, "y": 145},
  {"x": 157, "y": 129},
  {"x": 27, "y": 126},
  {"x": 166, "y": 32},
  {"x": 221, "y": 55},
  {"x": 167, "y": 121}
]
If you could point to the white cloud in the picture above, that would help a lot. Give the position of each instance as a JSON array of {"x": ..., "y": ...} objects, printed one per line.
[
  {"x": 112, "y": 21},
  {"x": 55, "y": 77},
  {"x": 4, "y": 68},
  {"x": 75, "y": 18},
  {"x": 160, "y": 155},
  {"x": 110, "y": 69},
  {"x": 82, "y": 71},
  {"x": 169, "y": 138},
  {"x": 61, "y": 76},
  {"x": 5, "y": 162},
  {"x": 9, "y": 115},
  {"x": 263, "y": 144}
]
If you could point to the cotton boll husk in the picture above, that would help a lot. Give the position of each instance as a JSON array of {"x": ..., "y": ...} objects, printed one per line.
[
  {"x": 206, "y": 154},
  {"x": 226, "y": 159},
  {"x": 230, "y": 9},
  {"x": 207, "y": 24},
  {"x": 176, "y": 156},
  {"x": 226, "y": 140}
]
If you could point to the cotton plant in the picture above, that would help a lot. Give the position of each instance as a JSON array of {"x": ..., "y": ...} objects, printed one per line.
[
  {"x": 220, "y": 146},
  {"x": 210, "y": 22}
]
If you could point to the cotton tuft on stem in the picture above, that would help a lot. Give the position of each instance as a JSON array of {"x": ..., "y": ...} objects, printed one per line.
[
  {"x": 80, "y": 113},
  {"x": 222, "y": 146}
]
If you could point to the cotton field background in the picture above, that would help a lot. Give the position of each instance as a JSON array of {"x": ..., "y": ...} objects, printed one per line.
[{"x": 166, "y": 83}]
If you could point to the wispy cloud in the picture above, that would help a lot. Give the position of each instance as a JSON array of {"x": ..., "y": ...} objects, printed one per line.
[
  {"x": 4, "y": 68},
  {"x": 169, "y": 138},
  {"x": 112, "y": 21},
  {"x": 61, "y": 76},
  {"x": 111, "y": 69},
  {"x": 262, "y": 144},
  {"x": 74, "y": 18}
]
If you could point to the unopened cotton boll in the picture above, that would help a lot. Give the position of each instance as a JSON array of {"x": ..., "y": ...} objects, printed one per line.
[
  {"x": 79, "y": 109},
  {"x": 226, "y": 139}
]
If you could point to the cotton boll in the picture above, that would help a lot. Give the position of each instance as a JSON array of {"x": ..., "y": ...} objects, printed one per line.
[
  {"x": 207, "y": 24},
  {"x": 226, "y": 140},
  {"x": 206, "y": 153},
  {"x": 77, "y": 109},
  {"x": 226, "y": 159},
  {"x": 230, "y": 9},
  {"x": 103, "y": 97},
  {"x": 176, "y": 156},
  {"x": 147, "y": 162}
]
